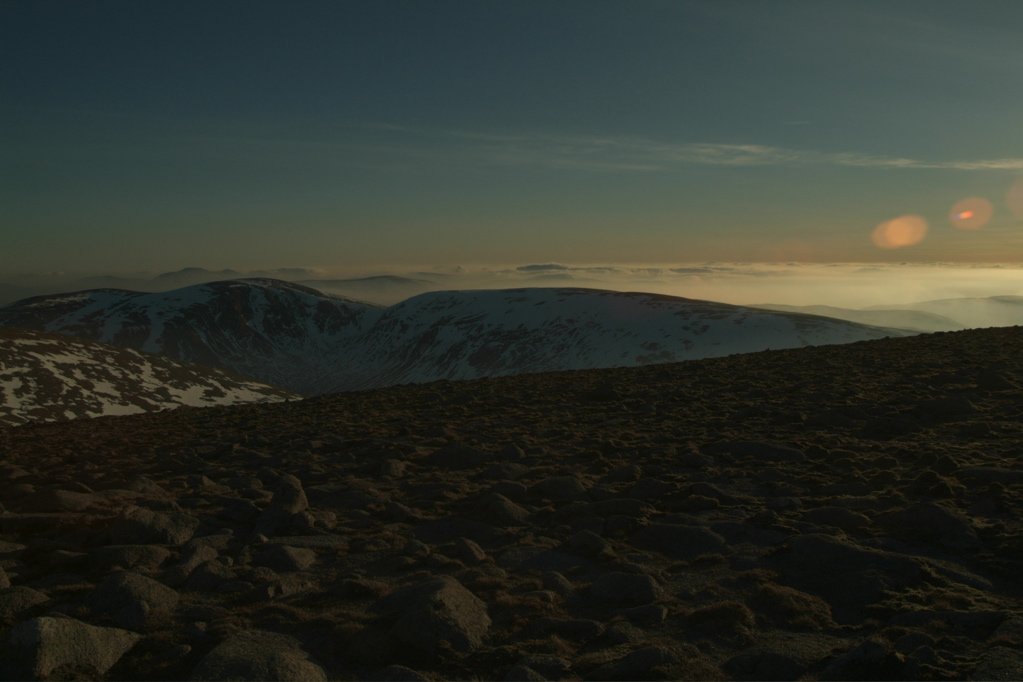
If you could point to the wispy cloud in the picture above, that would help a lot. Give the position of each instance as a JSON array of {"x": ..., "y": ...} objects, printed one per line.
[{"x": 625, "y": 153}]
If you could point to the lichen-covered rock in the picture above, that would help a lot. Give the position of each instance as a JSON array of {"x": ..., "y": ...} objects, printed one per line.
[
  {"x": 677, "y": 540},
  {"x": 17, "y": 602},
  {"x": 133, "y": 557},
  {"x": 131, "y": 599},
  {"x": 43, "y": 645},
  {"x": 289, "y": 498},
  {"x": 282, "y": 558},
  {"x": 436, "y": 610},
  {"x": 843, "y": 573},
  {"x": 259, "y": 655},
  {"x": 930, "y": 522},
  {"x": 626, "y": 589},
  {"x": 139, "y": 526}
]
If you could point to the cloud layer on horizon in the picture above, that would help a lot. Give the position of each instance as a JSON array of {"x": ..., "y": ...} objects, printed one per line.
[{"x": 851, "y": 285}]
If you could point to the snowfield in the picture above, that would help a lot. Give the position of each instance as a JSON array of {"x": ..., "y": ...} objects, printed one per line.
[
  {"x": 52, "y": 377},
  {"x": 309, "y": 342}
]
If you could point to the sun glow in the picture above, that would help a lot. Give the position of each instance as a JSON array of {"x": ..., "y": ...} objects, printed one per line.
[{"x": 902, "y": 231}]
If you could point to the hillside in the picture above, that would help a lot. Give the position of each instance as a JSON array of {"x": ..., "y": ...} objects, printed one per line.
[
  {"x": 895, "y": 317},
  {"x": 839, "y": 512},
  {"x": 312, "y": 343},
  {"x": 54, "y": 377}
]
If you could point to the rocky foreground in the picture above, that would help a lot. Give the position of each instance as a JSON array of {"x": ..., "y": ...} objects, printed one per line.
[{"x": 841, "y": 512}]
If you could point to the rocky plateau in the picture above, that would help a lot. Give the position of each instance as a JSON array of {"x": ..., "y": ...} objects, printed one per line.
[{"x": 830, "y": 512}]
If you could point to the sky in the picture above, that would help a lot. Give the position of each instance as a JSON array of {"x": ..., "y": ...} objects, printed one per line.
[{"x": 363, "y": 137}]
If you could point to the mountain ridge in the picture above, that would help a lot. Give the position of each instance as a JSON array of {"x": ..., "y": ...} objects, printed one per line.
[{"x": 296, "y": 337}]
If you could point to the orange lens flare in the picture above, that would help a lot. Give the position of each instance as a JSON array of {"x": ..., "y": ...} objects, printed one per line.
[
  {"x": 971, "y": 213},
  {"x": 902, "y": 231}
]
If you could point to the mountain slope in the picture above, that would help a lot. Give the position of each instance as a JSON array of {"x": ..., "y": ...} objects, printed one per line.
[
  {"x": 55, "y": 377},
  {"x": 281, "y": 333},
  {"x": 292, "y": 336},
  {"x": 470, "y": 334},
  {"x": 991, "y": 311},
  {"x": 383, "y": 289},
  {"x": 895, "y": 317}
]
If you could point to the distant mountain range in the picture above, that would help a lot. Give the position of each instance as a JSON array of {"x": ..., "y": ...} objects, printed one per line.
[
  {"x": 281, "y": 333},
  {"x": 296, "y": 337},
  {"x": 55, "y": 377},
  {"x": 385, "y": 289},
  {"x": 912, "y": 320},
  {"x": 990, "y": 311},
  {"x": 945, "y": 315}
]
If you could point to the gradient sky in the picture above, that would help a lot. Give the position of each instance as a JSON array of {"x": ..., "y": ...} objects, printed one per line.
[{"x": 245, "y": 134}]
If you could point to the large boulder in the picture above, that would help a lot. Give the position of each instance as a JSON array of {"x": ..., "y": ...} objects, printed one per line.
[
  {"x": 845, "y": 574},
  {"x": 139, "y": 526},
  {"x": 42, "y": 646},
  {"x": 678, "y": 541},
  {"x": 131, "y": 599},
  {"x": 17, "y": 603},
  {"x": 436, "y": 610},
  {"x": 288, "y": 499},
  {"x": 627, "y": 589},
  {"x": 931, "y": 522},
  {"x": 259, "y": 655}
]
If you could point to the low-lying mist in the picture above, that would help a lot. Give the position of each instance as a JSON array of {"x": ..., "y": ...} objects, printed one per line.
[{"x": 839, "y": 285}]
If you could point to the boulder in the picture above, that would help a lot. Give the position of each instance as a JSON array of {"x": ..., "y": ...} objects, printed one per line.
[
  {"x": 649, "y": 663},
  {"x": 456, "y": 457},
  {"x": 288, "y": 499},
  {"x": 846, "y": 575},
  {"x": 135, "y": 557},
  {"x": 503, "y": 512},
  {"x": 436, "y": 610},
  {"x": 139, "y": 526},
  {"x": 931, "y": 522},
  {"x": 678, "y": 541},
  {"x": 999, "y": 663},
  {"x": 839, "y": 517},
  {"x": 131, "y": 599},
  {"x": 259, "y": 655},
  {"x": 625, "y": 589},
  {"x": 42, "y": 646},
  {"x": 59, "y": 501},
  {"x": 176, "y": 575},
  {"x": 282, "y": 558},
  {"x": 764, "y": 452},
  {"x": 17, "y": 602},
  {"x": 559, "y": 489}
]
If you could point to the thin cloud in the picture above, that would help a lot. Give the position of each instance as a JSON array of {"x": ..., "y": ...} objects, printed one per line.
[{"x": 624, "y": 153}]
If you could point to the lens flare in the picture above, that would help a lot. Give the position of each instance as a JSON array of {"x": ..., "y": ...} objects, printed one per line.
[
  {"x": 902, "y": 231},
  {"x": 972, "y": 213},
  {"x": 1014, "y": 199}
]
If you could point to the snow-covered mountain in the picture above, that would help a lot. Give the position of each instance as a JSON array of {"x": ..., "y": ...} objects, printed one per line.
[
  {"x": 471, "y": 334},
  {"x": 309, "y": 342},
  {"x": 379, "y": 289},
  {"x": 282, "y": 333},
  {"x": 55, "y": 377}
]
